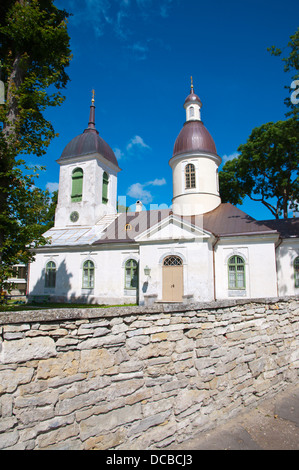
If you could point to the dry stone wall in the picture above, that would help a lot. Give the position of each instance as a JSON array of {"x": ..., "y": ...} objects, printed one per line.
[{"x": 139, "y": 378}]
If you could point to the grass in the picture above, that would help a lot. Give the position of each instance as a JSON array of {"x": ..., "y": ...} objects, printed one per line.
[{"x": 17, "y": 306}]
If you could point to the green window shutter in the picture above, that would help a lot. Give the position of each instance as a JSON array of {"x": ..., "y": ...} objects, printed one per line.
[
  {"x": 105, "y": 188},
  {"x": 77, "y": 185}
]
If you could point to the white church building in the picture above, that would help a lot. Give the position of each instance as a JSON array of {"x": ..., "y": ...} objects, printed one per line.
[{"x": 200, "y": 250}]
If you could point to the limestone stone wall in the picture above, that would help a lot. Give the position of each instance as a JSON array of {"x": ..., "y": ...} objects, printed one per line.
[{"x": 139, "y": 378}]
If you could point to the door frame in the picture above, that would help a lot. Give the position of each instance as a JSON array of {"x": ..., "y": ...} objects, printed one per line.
[{"x": 170, "y": 269}]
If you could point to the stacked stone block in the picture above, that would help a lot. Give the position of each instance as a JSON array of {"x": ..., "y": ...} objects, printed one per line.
[{"x": 137, "y": 377}]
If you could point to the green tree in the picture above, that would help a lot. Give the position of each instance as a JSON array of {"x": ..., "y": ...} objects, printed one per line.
[
  {"x": 267, "y": 169},
  {"x": 49, "y": 218},
  {"x": 34, "y": 54},
  {"x": 291, "y": 65}
]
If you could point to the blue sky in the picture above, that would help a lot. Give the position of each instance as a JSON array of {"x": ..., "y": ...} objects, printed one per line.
[{"x": 139, "y": 55}]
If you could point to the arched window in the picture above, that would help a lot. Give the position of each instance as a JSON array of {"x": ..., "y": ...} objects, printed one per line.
[
  {"x": 296, "y": 271},
  {"x": 131, "y": 274},
  {"x": 77, "y": 185},
  {"x": 190, "y": 176},
  {"x": 50, "y": 279},
  {"x": 191, "y": 111},
  {"x": 236, "y": 273},
  {"x": 88, "y": 275},
  {"x": 172, "y": 261},
  {"x": 105, "y": 188}
]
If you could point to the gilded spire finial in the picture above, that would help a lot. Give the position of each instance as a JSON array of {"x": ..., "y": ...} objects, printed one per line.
[
  {"x": 191, "y": 84},
  {"x": 93, "y": 95}
]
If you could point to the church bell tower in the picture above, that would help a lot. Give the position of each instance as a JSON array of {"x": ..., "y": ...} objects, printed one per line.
[
  {"x": 87, "y": 180},
  {"x": 194, "y": 164}
]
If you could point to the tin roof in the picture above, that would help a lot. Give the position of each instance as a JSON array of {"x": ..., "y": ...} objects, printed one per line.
[
  {"x": 194, "y": 137},
  {"x": 89, "y": 142},
  {"x": 287, "y": 228},
  {"x": 228, "y": 220},
  {"x": 192, "y": 98},
  {"x": 225, "y": 220}
]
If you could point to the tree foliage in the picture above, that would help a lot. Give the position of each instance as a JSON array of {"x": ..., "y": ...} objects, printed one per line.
[
  {"x": 34, "y": 54},
  {"x": 291, "y": 65},
  {"x": 34, "y": 51},
  {"x": 267, "y": 169}
]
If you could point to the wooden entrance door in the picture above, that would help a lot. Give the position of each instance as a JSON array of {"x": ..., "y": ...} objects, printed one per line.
[{"x": 173, "y": 280}]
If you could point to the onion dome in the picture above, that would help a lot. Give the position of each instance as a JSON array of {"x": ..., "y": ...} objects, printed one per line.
[
  {"x": 194, "y": 137},
  {"x": 192, "y": 98},
  {"x": 89, "y": 142}
]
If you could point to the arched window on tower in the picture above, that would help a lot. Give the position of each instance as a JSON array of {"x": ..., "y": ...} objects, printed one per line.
[
  {"x": 191, "y": 114},
  {"x": 77, "y": 185},
  {"x": 190, "y": 176},
  {"x": 105, "y": 188}
]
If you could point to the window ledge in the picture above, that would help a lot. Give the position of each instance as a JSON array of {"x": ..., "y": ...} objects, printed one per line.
[
  {"x": 237, "y": 293},
  {"x": 131, "y": 291},
  {"x": 87, "y": 290}
]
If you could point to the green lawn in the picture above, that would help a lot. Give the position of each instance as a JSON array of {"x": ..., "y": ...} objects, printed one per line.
[{"x": 16, "y": 306}]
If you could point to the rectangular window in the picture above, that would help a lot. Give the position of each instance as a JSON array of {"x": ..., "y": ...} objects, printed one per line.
[
  {"x": 232, "y": 279},
  {"x": 190, "y": 176},
  {"x": 128, "y": 278}
]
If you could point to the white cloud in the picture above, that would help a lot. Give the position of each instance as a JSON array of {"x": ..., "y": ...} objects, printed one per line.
[
  {"x": 119, "y": 17},
  {"x": 138, "y": 191},
  {"x": 138, "y": 142},
  {"x": 118, "y": 153},
  {"x": 51, "y": 187},
  {"x": 139, "y": 50},
  {"x": 135, "y": 147},
  {"x": 156, "y": 182},
  {"x": 226, "y": 158}
]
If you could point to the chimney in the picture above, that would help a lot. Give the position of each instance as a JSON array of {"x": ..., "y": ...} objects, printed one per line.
[{"x": 138, "y": 206}]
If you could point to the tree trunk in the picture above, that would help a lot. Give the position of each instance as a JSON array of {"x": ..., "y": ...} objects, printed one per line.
[{"x": 15, "y": 80}]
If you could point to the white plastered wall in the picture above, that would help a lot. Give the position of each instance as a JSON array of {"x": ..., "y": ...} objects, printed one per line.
[
  {"x": 286, "y": 253},
  {"x": 91, "y": 208},
  {"x": 197, "y": 268},
  {"x": 205, "y": 196},
  {"x": 260, "y": 267},
  {"x": 109, "y": 281}
]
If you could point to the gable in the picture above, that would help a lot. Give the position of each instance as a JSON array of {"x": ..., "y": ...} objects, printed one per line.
[{"x": 173, "y": 228}]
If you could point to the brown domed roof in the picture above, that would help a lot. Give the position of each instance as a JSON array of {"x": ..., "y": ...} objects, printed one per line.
[
  {"x": 194, "y": 137},
  {"x": 192, "y": 98},
  {"x": 88, "y": 143}
]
